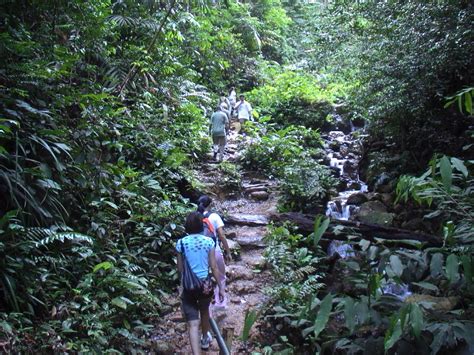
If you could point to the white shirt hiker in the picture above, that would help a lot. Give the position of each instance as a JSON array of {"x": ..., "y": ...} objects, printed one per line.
[
  {"x": 216, "y": 222},
  {"x": 244, "y": 110}
]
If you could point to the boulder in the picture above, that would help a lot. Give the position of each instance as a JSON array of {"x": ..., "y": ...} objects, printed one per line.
[
  {"x": 238, "y": 272},
  {"x": 335, "y": 171},
  {"x": 354, "y": 185},
  {"x": 357, "y": 199},
  {"x": 375, "y": 212},
  {"x": 414, "y": 224},
  {"x": 334, "y": 145},
  {"x": 344, "y": 150},
  {"x": 351, "y": 168},
  {"x": 441, "y": 304},
  {"x": 247, "y": 219}
]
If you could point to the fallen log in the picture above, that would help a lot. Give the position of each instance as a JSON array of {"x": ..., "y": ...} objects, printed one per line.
[{"x": 305, "y": 224}]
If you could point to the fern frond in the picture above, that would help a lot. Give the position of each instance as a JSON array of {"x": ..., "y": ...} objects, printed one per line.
[{"x": 51, "y": 237}]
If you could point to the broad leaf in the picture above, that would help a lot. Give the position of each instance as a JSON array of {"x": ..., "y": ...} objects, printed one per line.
[
  {"x": 416, "y": 318},
  {"x": 446, "y": 172},
  {"x": 323, "y": 315},
  {"x": 452, "y": 268},
  {"x": 436, "y": 265},
  {"x": 396, "y": 265},
  {"x": 426, "y": 285},
  {"x": 349, "y": 314},
  {"x": 467, "y": 267},
  {"x": 459, "y": 165},
  {"x": 319, "y": 229},
  {"x": 393, "y": 334}
]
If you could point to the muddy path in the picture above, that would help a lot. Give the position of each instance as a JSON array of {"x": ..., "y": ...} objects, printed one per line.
[{"x": 245, "y": 213}]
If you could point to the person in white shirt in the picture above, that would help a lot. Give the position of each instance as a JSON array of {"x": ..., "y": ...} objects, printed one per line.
[
  {"x": 232, "y": 99},
  {"x": 244, "y": 111},
  {"x": 204, "y": 203}
]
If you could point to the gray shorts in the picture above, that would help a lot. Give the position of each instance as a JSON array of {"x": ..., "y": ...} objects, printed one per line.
[
  {"x": 219, "y": 140},
  {"x": 192, "y": 306}
]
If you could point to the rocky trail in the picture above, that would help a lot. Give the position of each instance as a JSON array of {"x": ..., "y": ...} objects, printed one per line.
[{"x": 246, "y": 214}]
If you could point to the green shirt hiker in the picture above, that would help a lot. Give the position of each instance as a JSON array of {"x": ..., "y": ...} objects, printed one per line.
[{"x": 219, "y": 122}]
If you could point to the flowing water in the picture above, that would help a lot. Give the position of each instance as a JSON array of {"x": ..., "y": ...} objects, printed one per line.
[{"x": 344, "y": 156}]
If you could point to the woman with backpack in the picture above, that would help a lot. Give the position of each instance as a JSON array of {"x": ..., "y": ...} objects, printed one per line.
[
  {"x": 217, "y": 224},
  {"x": 196, "y": 253}
]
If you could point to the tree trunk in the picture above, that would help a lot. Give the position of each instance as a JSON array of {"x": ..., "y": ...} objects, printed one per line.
[{"x": 305, "y": 224}]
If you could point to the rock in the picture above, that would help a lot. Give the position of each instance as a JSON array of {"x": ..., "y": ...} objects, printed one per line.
[
  {"x": 177, "y": 317},
  {"x": 230, "y": 235},
  {"x": 414, "y": 224},
  {"x": 247, "y": 219},
  {"x": 344, "y": 150},
  {"x": 251, "y": 241},
  {"x": 171, "y": 300},
  {"x": 259, "y": 195},
  {"x": 335, "y": 171},
  {"x": 255, "y": 263},
  {"x": 243, "y": 287},
  {"x": 350, "y": 168},
  {"x": 235, "y": 299},
  {"x": 354, "y": 185},
  {"x": 180, "y": 327},
  {"x": 163, "y": 347},
  {"x": 357, "y": 199},
  {"x": 373, "y": 206},
  {"x": 334, "y": 145},
  {"x": 441, "y": 304},
  {"x": 238, "y": 272},
  {"x": 375, "y": 212},
  {"x": 233, "y": 246}
]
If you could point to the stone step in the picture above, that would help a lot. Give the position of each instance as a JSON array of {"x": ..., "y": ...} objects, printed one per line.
[{"x": 246, "y": 220}]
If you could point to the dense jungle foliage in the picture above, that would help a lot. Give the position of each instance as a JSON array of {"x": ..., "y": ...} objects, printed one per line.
[{"x": 103, "y": 116}]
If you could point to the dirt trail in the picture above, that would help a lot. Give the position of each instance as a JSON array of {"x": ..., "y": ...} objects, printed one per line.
[{"x": 245, "y": 214}]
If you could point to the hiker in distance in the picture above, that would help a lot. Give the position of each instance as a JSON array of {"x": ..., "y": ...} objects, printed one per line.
[
  {"x": 244, "y": 111},
  {"x": 219, "y": 128},
  {"x": 232, "y": 99},
  {"x": 196, "y": 254},
  {"x": 204, "y": 204}
]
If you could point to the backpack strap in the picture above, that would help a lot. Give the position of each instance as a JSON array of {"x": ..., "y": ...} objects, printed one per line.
[{"x": 182, "y": 247}]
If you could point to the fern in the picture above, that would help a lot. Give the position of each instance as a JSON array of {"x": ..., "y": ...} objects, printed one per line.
[
  {"x": 311, "y": 286},
  {"x": 49, "y": 237}
]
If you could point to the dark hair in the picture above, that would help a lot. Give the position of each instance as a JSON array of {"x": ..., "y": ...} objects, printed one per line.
[
  {"x": 241, "y": 95},
  {"x": 203, "y": 202},
  {"x": 194, "y": 223}
]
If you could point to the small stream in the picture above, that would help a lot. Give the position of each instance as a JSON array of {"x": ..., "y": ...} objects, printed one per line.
[{"x": 344, "y": 153}]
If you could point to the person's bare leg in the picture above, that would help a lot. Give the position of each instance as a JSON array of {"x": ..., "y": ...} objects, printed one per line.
[
  {"x": 205, "y": 325},
  {"x": 193, "y": 329},
  {"x": 221, "y": 149}
]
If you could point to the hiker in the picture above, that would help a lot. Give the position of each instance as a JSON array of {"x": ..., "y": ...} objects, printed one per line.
[
  {"x": 198, "y": 251},
  {"x": 219, "y": 128},
  {"x": 232, "y": 99},
  {"x": 224, "y": 100},
  {"x": 244, "y": 111},
  {"x": 204, "y": 203},
  {"x": 224, "y": 108}
]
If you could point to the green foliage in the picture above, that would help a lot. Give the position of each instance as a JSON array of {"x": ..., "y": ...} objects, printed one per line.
[
  {"x": 463, "y": 98},
  {"x": 291, "y": 155},
  {"x": 365, "y": 299},
  {"x": 295, "y": 98},
  {"x": 446, "y": 187},
  {"x": 251, "y": 316}
]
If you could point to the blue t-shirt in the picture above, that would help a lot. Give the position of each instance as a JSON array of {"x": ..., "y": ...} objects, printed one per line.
[{"x": 196, "y": 250}]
